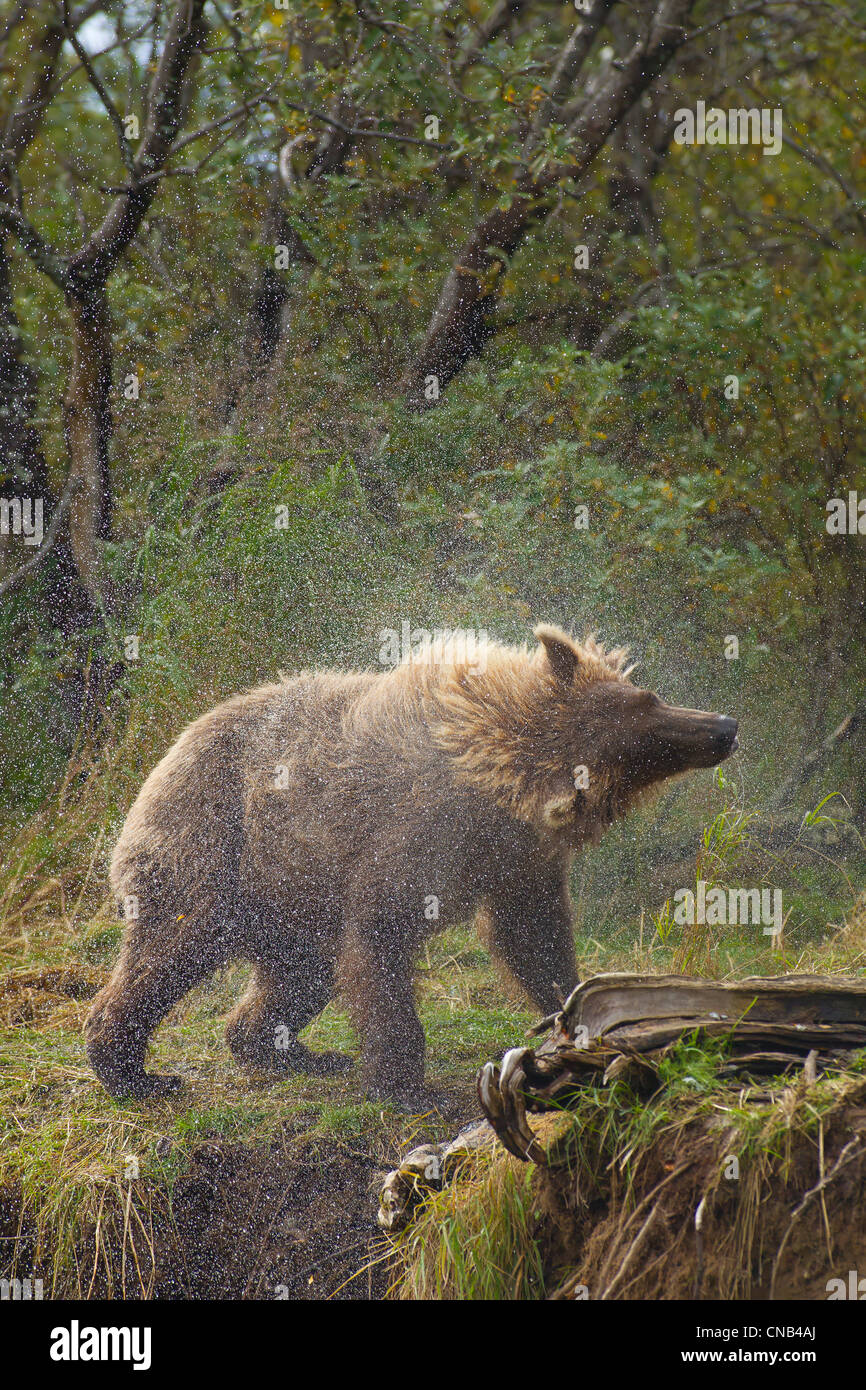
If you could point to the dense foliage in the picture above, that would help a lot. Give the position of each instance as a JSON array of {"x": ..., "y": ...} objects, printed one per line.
[{"x": 277, "y": 308}]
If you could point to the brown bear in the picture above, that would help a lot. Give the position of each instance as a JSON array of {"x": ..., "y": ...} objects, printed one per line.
[{"x": 323, "y": 826}]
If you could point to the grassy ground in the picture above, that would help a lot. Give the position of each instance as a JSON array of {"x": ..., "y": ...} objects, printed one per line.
[
  {"x": 246, "y": 1187},
  {"x": 91, "y": 1188},
  {"x": 719, "y": 1190},
  {"x": 776, "y": 1166},
  {"x": 81, "y": 1175},
  {"x": 712, "y": 1189}
]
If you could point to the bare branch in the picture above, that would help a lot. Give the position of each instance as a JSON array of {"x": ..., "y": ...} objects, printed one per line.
[
  {"x": 364, "y": 132},
  {"x": 25, "y": 117},
  {"x": 571, "y": 60},
  {"x": 818, "y": 160},
  {"x": 236, "y": 112},
  {"x": 164, "y": 114},
  {"x": 123, "y": 42},
  {"x": 820, "y": 756},
  {"x": 15, "y": 17},
  {"x": 49, "y": 261},
  {"x": 760, "y": 7},
  {"x": 644, "y": 292},
  {"x": 496, "y": 21},
  {"x": 99, "y": 87}
]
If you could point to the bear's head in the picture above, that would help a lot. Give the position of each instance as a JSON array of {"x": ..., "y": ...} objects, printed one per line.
[
  {"x": 560, "y": 738},
  {"x": 618, "y": 741}
]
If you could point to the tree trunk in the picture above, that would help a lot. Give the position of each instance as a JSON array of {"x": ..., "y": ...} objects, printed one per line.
[
  {"x": 461, "y": 322},
  {"x": 270, "y": 293},
  {"x": 21, "y": 454},
  {"x": 87, "y": 428},
  {"x": 82, "y": 277},
  {"x": 64, "y": 604}
]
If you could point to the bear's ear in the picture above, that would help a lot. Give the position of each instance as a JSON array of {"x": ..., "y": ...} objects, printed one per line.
[{"x": 563, "y": 656}]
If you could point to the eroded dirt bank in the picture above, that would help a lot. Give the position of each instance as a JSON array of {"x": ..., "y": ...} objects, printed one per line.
[{"x": 283, "y": 1222}]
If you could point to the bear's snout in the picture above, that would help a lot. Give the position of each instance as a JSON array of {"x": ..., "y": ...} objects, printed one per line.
[
  {"x": 726, "y": 734},
  {"x": 681, "y": 739}
]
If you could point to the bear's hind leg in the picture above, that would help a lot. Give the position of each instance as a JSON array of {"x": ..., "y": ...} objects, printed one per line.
[
  {"x": 127, "y": 1010},
  {"x": 283, "y": 996}
]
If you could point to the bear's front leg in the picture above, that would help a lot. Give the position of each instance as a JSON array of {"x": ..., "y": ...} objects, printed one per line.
[
  {"x": 376, "y": 982},
  {"x": 527, "y": 926}
]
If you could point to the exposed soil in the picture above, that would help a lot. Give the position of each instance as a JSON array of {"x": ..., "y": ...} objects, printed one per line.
[
  {"x": 294, "y": 1218},
  {"x": 245, "y": 1222},
  {"x": 753, "y": 1241}
]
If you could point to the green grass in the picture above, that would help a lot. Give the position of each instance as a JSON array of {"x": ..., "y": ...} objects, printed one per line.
[
  {"x": 501, "y": 1230},
  {"x": 67, "y": 1147},
  {"x": 476, "y": 1244}
]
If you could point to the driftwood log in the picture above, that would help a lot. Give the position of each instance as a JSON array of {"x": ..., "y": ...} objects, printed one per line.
[{"x": 620, "y": 1025}]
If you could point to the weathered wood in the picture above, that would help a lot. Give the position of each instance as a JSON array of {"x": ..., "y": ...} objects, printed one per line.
[
  {"x": 618, "y": 1027},
  {"x": 609, "y": 1001}
]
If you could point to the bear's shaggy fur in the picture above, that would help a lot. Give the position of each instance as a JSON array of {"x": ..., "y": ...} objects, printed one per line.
[{"x": 323, "y": 826}]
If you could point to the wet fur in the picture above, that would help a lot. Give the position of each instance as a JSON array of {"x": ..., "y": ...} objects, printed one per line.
[{"x": 428, "y": 781}]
